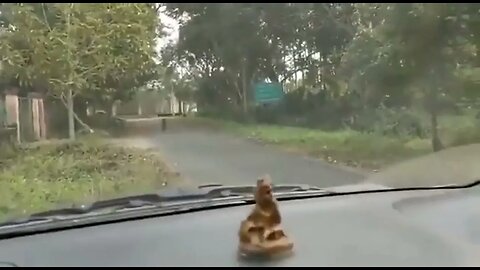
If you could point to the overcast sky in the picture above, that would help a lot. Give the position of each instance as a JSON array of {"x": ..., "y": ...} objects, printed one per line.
[{"x": 172, "y": 29}]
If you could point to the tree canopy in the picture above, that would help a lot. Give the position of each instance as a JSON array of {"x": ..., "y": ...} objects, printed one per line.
[
  {"x": 97, "y": 51},
  {"x": 345, "y": 58}
]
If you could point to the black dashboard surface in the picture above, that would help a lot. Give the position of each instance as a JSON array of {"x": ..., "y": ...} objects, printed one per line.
[{"x": 409, "y": 228}]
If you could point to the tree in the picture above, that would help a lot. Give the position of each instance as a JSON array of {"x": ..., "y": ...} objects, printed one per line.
[
  {"x": 409, "y": 52},
  {"x": 245, "y": 43},
  {"x": 79, "y": 48},
  {"x": 352, "y": 57}
]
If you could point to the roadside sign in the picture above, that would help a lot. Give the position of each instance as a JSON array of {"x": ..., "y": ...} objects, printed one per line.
[{"x": 268, "y": 92}]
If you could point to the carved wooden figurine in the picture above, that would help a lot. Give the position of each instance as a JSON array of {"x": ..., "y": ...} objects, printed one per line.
[{"x": 261, "y": 232}]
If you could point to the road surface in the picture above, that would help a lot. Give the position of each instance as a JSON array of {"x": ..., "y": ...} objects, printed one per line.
[
  {"x": 206, "y": 156},
  {"x": 209, "y": 156}
]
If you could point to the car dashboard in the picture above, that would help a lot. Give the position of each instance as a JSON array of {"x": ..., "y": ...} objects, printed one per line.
[{"x": 404, "y": 228}]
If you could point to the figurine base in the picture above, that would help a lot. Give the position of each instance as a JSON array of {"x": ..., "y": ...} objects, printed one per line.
[{"x": 271, "y": 248}]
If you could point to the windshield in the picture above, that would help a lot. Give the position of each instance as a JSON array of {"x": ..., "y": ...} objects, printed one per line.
[{"x": 102, "y": 101}]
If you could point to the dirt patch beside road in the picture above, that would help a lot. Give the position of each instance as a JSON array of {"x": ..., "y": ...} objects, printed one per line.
[{"x": 456, "y": 165}]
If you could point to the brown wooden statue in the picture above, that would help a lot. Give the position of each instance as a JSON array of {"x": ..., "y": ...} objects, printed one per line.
[{"x": 261, "y": 232}]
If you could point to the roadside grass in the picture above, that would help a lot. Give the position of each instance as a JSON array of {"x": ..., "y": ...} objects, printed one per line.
[
  {"x": 458, "y": 130},
  {"x": 349, "y": 147},
  {"x": 60, "y": 174}
]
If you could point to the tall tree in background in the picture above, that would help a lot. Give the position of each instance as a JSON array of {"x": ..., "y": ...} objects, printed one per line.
[{"x": 415, "y": 48}]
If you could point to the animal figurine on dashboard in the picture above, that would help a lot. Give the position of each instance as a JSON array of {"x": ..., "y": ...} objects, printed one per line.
[
  {"x": 261, "y": 233},
  {"x": 266, "y": 211}
]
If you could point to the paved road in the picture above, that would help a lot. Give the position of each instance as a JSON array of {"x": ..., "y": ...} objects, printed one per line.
[{"x": 207, "y": 156}]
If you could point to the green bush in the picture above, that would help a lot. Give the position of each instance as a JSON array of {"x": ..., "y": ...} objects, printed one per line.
[{"x": 393, "y": 122}]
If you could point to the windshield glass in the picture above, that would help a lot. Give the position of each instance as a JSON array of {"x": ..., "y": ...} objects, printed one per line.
[{"x": 103, "y": 101}]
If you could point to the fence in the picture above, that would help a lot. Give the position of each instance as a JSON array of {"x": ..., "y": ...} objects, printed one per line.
[
  {"x": 28, "y": 115},
  {"x": 38, "y": 119},
  {"x": 3, "y": 113}
]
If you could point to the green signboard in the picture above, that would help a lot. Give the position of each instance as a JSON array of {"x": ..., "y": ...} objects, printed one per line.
[{"x": 268, "y": 92}]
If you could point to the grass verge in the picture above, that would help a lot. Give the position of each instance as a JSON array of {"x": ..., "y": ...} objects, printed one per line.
[{"x": 46, "y": 176}]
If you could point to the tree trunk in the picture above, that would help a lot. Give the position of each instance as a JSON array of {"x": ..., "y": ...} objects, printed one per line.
[
  {"x": 71, "y": 119},
  {"x": 83, "y": 124},
  {"x": 436, "y": 142},
  {"x": 433, "y": 100},
  {"x": 244, "y": 89},
  {"x": 75, "y": 117}
]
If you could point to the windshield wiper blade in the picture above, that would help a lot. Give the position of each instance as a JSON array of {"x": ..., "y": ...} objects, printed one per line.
[
  {"x": 249, "y": 190},
  {"x": 63, "y": 213},
  {"x": 30, "y": 219},
  {"x": 130, "y": 202},
  {"x": 181, "y": 197},
  {"x": 204, "y": 193}
]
